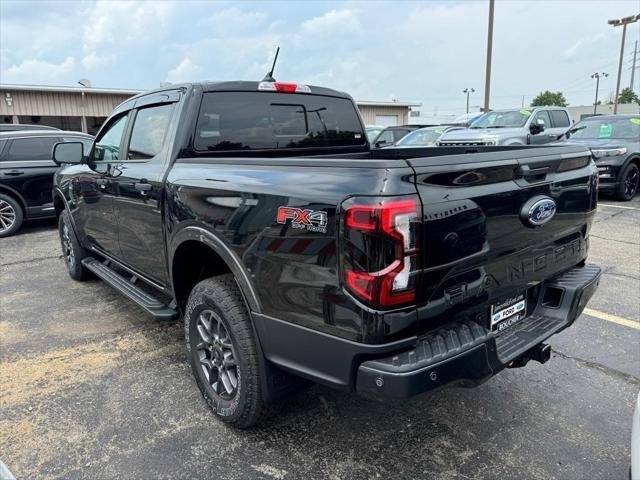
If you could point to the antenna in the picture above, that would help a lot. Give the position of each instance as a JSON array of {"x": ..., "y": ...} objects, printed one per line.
[{"x": 269, "y": 76}]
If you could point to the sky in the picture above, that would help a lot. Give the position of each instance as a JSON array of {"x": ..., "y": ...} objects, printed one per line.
[{"x": 419, "y": 51}]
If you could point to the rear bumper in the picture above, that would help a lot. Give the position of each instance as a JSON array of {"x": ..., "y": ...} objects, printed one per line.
[{"x": 467, "y": 354}]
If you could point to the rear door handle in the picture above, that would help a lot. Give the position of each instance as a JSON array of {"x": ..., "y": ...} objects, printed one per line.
[
  {"x": 142, "y": 187},
  {"x": 14, "y": 173}
]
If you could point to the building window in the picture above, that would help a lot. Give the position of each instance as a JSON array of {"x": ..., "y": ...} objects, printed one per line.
[{"x": 63, "y": 123}]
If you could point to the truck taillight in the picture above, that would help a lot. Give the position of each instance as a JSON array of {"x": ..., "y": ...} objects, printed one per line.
[{"x": 380, "y": 249}]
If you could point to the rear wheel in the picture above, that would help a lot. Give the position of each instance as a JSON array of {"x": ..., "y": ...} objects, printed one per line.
[
  {"x": 11, "y": 215},
  {"x": 222, "y": 351},
  {"x": 72, "y": 252},
  {"x": 628, "y": 185}
]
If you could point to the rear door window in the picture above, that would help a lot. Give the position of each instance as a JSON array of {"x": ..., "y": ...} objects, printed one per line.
[
  {"x": 560, "y": 118},
  {"x": 33, "y": 148},
  {"x": 259, "y": 120}
]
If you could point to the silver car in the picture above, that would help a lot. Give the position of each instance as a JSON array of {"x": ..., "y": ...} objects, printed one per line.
[{"x": 524, "y": 126}]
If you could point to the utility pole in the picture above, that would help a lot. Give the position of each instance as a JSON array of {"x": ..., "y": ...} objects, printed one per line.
[
  {"x": 468, "y": 91},
  {"x": 616, "y": 23},
  {"x": 597, "y": 77},
  {"x": 487, "y": 80},
  {"x": 633, "y": 66}
]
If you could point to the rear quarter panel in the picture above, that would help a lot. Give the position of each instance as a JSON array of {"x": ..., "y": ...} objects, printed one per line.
[{"x": 293, "y": 271}]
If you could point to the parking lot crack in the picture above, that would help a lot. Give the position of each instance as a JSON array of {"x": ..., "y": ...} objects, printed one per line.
[
  {"x": 597, "y": 366},
  {"x": 31, "y": 260}
]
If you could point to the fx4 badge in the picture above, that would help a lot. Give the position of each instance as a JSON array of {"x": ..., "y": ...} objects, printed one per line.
[{"x": 312, "y": 220}]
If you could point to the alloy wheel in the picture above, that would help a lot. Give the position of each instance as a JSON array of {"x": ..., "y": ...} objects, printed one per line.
[
  {"x": 67, "y": 247},
  {"x": 631, "y": 183},
  {"x": 7, "y": 216},
  {"x": 216, "y": 355}
]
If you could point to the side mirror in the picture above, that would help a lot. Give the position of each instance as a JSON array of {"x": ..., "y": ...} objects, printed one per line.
[
  {"x": 536, "y": 128},
  {"x": 68, "y": 153}
]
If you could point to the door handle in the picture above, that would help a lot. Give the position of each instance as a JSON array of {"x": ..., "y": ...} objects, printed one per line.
[
  {"x": 14, "y": 173},
  {"x": 142, "y": 187}
]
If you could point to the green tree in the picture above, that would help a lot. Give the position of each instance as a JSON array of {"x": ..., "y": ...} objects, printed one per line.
[
  {"x": 548, "y": 98},
  {"x": 628, "y": 96}
]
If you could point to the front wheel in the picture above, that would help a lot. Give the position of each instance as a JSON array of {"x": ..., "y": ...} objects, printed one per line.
[
  {"x": 222, "y": 351},
  {"x": 72, "y": 251},
  {"x": 628, "y": 185}
]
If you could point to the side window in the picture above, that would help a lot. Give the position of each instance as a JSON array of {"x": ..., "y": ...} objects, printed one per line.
[
  {"x": 560, "y": 118},
  {"x": 86, "y": 143},
  {"x": 107, "y": 146},
  {"x": 386, "y": 137},
  {"x": 544, "y": 116},
  {"x": 2, "y": 144},
  {"x": 33, "y": 148},
  {"x": 149, "y": 131}
]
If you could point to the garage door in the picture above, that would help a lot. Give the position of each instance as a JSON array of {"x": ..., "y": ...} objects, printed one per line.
[{"x": 387, "y": 120}]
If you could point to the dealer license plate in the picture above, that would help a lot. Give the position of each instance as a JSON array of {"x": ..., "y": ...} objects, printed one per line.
[{"x": 508, "y": 312}]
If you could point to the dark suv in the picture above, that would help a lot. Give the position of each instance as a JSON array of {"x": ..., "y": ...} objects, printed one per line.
[{"x": 26, "y": 174}]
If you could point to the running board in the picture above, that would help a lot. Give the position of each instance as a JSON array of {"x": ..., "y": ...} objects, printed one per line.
[{"x": 151, "y": 305}]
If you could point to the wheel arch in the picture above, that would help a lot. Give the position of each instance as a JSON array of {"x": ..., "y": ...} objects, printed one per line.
[
  {"x": 16, "y": 196},
  {"x": 195, "y": 253}
]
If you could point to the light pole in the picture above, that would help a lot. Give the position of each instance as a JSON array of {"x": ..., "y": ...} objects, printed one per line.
[
  {"x": 597, "y": 77},
  {"x": 468, "y": 91},
  {"x": 487, "y": 80},
  {"x": 86, "y": 84},
  {"x": 616, "y": 23}
]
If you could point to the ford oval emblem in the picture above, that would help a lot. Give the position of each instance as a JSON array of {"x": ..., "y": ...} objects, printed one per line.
[{"x": 538, "y": 211}]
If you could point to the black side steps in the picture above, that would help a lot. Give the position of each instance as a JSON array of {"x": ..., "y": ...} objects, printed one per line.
[{"x": 153, "y": 306}]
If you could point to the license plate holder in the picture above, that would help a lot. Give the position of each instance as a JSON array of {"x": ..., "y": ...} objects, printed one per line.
[{"x": 507, "y": 312}]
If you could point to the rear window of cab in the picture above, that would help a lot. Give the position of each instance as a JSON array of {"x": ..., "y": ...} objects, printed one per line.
[{"x": 231, "y": 121}]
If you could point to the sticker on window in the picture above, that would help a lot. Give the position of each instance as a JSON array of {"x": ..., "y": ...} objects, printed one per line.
[
  {"x": 525, "y": 112},
  {"x": 635, "y": 121},
  {"x": 605, "y": 130}
]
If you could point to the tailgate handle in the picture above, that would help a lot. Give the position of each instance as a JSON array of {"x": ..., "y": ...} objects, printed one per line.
[{"x": 526, "y": 171}]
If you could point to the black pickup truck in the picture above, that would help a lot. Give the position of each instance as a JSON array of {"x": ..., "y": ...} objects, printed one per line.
[{"x": 258, "y": 213}]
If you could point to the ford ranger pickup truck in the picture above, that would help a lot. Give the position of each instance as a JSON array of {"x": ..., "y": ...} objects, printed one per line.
[{"x": 294, "y": 252}]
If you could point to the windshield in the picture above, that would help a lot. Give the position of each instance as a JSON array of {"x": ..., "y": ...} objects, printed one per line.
[
  {"x": 619, "y": 128},
  {"x": 259, "y": 120},
  {"x": 421, "y": 138},
  {"x": 503, "y": 119}
]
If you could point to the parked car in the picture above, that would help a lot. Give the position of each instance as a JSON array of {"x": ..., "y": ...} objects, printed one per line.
[
  {"x": 634, "y": 473},
  {"x": 423, "y": 137},
  {"x": 390, "y": 135},
  {"x": 373, "y": 131},
  {"x": 11, "y": 127},
  {"x": 26, "y": 175},
  {"x": 466, "y": 119},
  {"x": 293, "y": 251},
  {"x": 533, "y": 126},
  {"x": 614, "y": 141}
]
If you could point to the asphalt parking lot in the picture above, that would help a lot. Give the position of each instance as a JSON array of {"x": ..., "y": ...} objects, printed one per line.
[{"x": 92, "y": 388}]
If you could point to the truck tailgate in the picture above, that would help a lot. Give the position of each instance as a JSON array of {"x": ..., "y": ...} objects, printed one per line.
[{"x": 491, "y": 231}]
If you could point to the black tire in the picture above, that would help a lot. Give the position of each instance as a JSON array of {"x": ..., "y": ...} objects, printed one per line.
[
  {"x": 629, "y": 181},
  {"x": 219, "y": 300},
  {"x": 11, "y": 215},
  {"x": 72, "y": 252}
]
